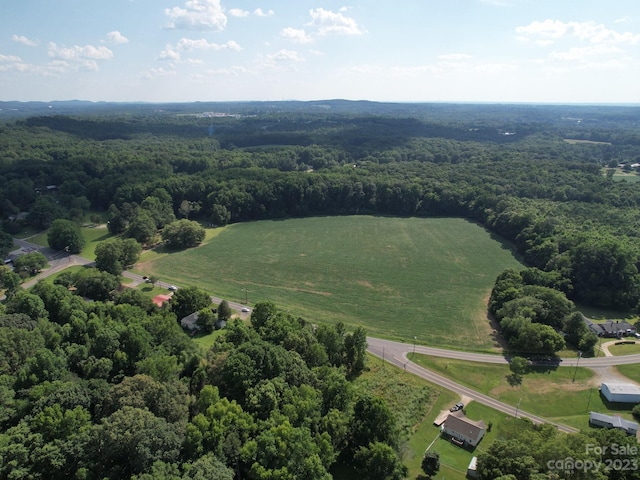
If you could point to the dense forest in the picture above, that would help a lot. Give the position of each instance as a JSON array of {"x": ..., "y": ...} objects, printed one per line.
[
  {"x": 507, "y": 167},
  {"x": 114, "y": 388}
]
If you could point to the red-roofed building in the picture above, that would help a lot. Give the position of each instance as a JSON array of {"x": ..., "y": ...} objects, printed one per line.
[{"x": 160, "y": 300}]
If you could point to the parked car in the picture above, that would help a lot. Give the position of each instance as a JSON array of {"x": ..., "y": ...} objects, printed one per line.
[{"x": 456, "y": 407}]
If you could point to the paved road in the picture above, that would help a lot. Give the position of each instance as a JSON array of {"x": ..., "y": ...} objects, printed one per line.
[
  {"x": 395, "y": 353},
  {"x": 399, "y": 349}
]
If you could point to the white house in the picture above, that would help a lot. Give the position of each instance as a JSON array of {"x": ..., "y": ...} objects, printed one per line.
[
  {"x": 465, "y": 431},
  {"x": 612, "y": 421},
  {"x": 620, "y": 392}
]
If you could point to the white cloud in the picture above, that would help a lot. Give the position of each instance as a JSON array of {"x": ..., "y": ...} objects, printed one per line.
[
  {"x": 285, "y": 56},
  {"x": 9, "y": 58},
  {"x": 238, "y": 12},
  {"x": 622, "y": 20},
  {"x": 24, "y": 40},
  {"x": 197, "y": 15},
  {"x": 281, "y": 59},
  {"x": 295, "y": 35},
  {"x": 585, "y": 54},
  {"x": 158, "y": 72},
  {"x": 169, "y": 53},
  {"x": 331, "y": 23},
  {"x": 258, "y": 12},
  {"x": 202, "y": 44},
  {"x": 261, "y": 13},
  {"x": 580, "y": 45},
  {"x": 88, "y": 52},
  {"x": 117, "y": 38},
  {"x": 549, "y": 31}
]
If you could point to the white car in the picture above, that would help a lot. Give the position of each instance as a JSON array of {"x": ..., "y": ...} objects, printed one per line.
[
  {"x": 173, "y": 288},
  {"x": 245, "y": 309}
]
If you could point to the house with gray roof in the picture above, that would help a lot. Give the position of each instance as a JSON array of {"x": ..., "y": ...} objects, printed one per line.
[
  {"x": 612, "y": 421},
  {"x": 464, "y": 431}
]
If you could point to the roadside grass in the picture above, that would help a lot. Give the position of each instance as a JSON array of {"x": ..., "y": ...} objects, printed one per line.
[
  {"x": 151, "y": 291},
  {"x": 630, "y": 371},
  {"x": 92, "y": 236},
  {"x": 625, "y": 349},
  {"x": 398, "y": 277},
  {"x": 547, "y": 392},
  {"x": 40, "y": 239},
  {"x": 73, "y": 269}
]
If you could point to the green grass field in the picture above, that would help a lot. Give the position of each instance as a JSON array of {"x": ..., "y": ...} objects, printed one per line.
[
  {"x": 630, "y": 371},
  {"x": 398, "y": 277},
  {"x": 625, "y": 349}
]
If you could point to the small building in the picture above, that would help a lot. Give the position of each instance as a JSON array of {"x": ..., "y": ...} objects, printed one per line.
[
  {"x": 190, "y": 322},
  {"x": 160, "y": 300},
  {"x": 472, "y": 469},
  {"x": 620, "y": 392},
  {"x": 220, "y": 324},
  {"x": 464, "y": 431},
  {"x": 612, "y": 421}
]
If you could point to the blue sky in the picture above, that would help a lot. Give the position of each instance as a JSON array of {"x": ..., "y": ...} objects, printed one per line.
[{"x": 566, "y": 51}]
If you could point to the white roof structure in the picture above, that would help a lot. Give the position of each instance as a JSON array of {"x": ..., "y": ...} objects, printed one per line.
[{"x": 624, "y": 388}]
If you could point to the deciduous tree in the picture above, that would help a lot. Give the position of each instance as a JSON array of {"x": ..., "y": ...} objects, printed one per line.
[{"x": 65, "y": 235}]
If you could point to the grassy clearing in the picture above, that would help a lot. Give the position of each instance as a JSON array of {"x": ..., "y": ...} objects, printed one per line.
[
  {"x": 601, "y": 314},
  {"x": 630, "y": 371},
  {"x": 574, "y": 141},
  {"x": 398, "y": 277},
  {"x": 552, "y": 394},
  {"x": 92, "y": 236},
  {"x": 206, "y": 341},
  {"x": 625, "y": 349}
]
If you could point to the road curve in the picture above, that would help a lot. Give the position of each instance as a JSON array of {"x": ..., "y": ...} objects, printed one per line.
[
  {"x": 399, "y": 348},
  {"x": 391, "y": 353}
]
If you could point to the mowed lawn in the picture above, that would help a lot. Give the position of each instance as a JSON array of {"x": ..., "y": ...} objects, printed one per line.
[{"x": 398, "y": 277}]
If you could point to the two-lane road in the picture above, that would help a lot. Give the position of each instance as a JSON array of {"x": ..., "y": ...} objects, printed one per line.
[{"x": 396, "y": 353}]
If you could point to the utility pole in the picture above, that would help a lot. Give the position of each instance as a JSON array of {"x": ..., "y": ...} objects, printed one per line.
[
  {"x": 414, "y": 346},
  {"x": 589, "y": 402},
  {"x": 577, "y": 363},
  {"x": 518, "y": 407}
]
